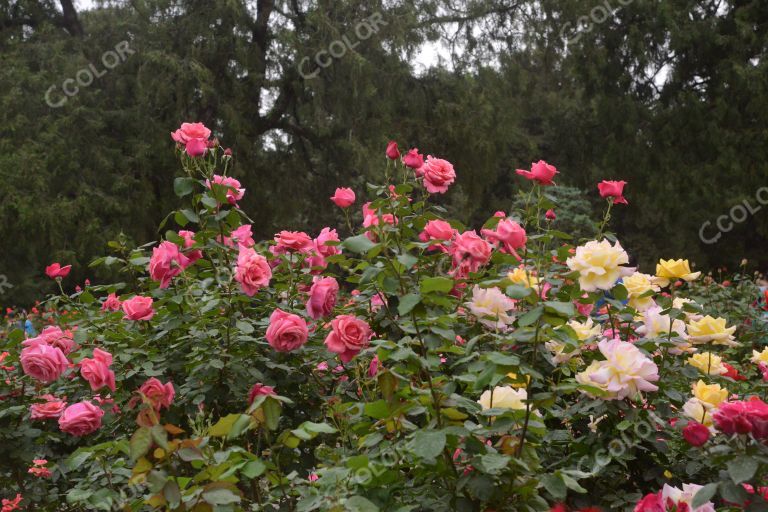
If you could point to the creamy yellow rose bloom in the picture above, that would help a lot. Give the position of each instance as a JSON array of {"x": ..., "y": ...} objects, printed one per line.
[
  {"x": 708, "y": 363},
  {"x": 503, "y": 397},
  {"x": 711, "y": 329},
  {"x": 710, "y": 394},
  {"x": 585, "y": 330},
  {"x": 639, "y": 284},
  {"x": 521, "y": 277},
  {"x": 760, "y": 357},
  {"x": 599, "y": 265},
  {"x": 666, "y": 270},
  {"x": 698, "y": 411}
]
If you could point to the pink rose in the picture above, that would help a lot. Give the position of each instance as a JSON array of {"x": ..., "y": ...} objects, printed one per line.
[
  {"x": 292, "y": 241},
  {"x": 614, "y": 189},
  {"x": 696, "y": 434},
  {"x": 166, "y": 262},
  {"x": 349, "y": 336},
  {"x": 321, "y": 242},
  {"x": 55, "y": 270},
  {"x": 112, "y": 303},
  {"x": 438, "y": 230},
  {"x": 371, "y": 218},
  {"x": 96, "y": 370},
  {"x": 343, "y": 197},
  {"x": 81, "y": 419},
  {"x": 744, "y": 417},
  {"x": 260, "y": 389},
  {"x": 541, "y": 172},
  {"x": 243, "y": 236},
  {"x": 322, "y": 297},
  {"x": 414, "y": 160},
  {"x": 252, "y": 271},
  {"x": 469, "y": 252},
  {"x": 234, "y": 191},
  {"x": 189, "y": 241},
  {"x": 509, "y": 235},
  {"x": 190, "y": 131},
  {"x": 438, "y": 175},
  {"x": 286, "y": 331},
  {"x": 651, "y": 503},
  {"x": 392, "y": 152},
  {"x": 196, "y": 147},
  {"x": 159, "y": 394},
  {"x": 374, "y": 367},
  {"x": 50, "y": 409},
  {"x": 550, "y": 215},
  {"x": 138, "y": 308},
  {"x": 43, "y": 362},
  {"x": 54, "y": 337}
]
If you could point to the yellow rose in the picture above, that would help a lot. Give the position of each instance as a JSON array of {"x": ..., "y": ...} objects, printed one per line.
[
  {"x": 710, "y": 394},
  {"x": 639, "y": 284},
  {"x": 503, "y": 397},
  {"x": 708, "y": 363},
  {"x": 760, "y": 357},
  {"x": 599, "y": 265},
  {"x": 711, "y": 329},
  {"x": 523, "y": 277},
  {"x": 585, "y": 330},
  {"x": 696, "y": 410},
  {"x": 667, "y": 270}
]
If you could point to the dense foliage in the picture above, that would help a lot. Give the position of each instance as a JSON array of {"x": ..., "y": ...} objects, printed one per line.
[
  {"x": 404, "y": 362},
  {"x": 669, "y": 96}
]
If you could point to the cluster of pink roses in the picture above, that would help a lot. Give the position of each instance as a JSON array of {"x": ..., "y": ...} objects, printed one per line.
[
  {"x": 194, "y": 138},
  {"x": 436, "y": 174},
  {"x": 743, "y": 417}
]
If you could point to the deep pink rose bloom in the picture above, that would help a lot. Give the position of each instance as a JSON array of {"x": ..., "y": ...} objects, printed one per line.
[
  {"x": 469, "y": 251},
  {"x": 414, "y": 160},
  {"x": 392, "y": 152},
  {"x": 321, "y": 242},
  {"x": 743, "y": 417},
  {"x": 166, "y": 262},
  {"x": 243, "y": 236},
  {"x": 322, "y": 297},
  {"x": 189, "y": 241},
  {"x": 695, "y": 433},
  {"x": 96, "y": 370},
  {"x": 614, "y": 189},
  {"x": 55, "y": 270},
  {"x": 349, "y": 335},
  {"x": 438, "y": 175},
  {"x": 286, "y": 331},
  {"x": 190, "y": 131},
  {"x": 343, "y": 197},
  {"x": 43, "y": 362},
  {"x": 81, "y": 419},
  {"x": 234, "y": 191},
  {"x": 55, "y": 337},
  {"x": 50, "y": 409},
  {"x": 196, "y": 147},
  {"x": 550, "y": 215},
  {"x": 138, "y": 308},
  {"x": 112, "y": 303},
  {"x": 293, "y": 241},
  {"x": 161, "y": 395},
  {"x": 260, "y": 389},
  {"x": 651, "y": 503},
  {"x": 252, "y": 272},
  {"x": 438, "y": 230},
  {"x": 541, "y": 172},
  {"x": 509, "y": 235}
]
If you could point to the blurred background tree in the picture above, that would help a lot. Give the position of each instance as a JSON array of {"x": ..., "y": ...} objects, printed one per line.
[{"x": 670, "y": 96}]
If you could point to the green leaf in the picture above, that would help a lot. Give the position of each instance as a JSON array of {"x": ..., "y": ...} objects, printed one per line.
[
  {"x": 408, "y": 302},
  {"x": 407, "y": 260},
  {"x": 704, "y": 495},
  {"x": 493, "y": 463},
  {"x": 253, "y": 469},
  {"x": 360, "y": 504},
  {"x": 359, "y": 244},
  {"x": 515, "y": 291},
  {"x": 141, "y": 442},
  {"x": 223, "y": 426},
  {"x": 555, "y": 486},
  {"x": 620, "y": 292},
  {"x": 220, "y": 496},
  {"x": 742, "y": 469},
  {"x": 530, "y": 317},
  {"x": 428, "y": 444},
  {"x": 183, "y": 186},
  {"x": 436, "y": 284},
  {"x": 565, "y": 309}
]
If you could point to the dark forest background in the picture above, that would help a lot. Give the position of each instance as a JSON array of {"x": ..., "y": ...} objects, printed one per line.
[{"x": 669, "y": 95}]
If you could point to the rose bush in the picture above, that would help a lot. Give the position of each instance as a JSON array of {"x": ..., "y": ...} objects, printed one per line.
[{"x": 411, "y": 363}]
